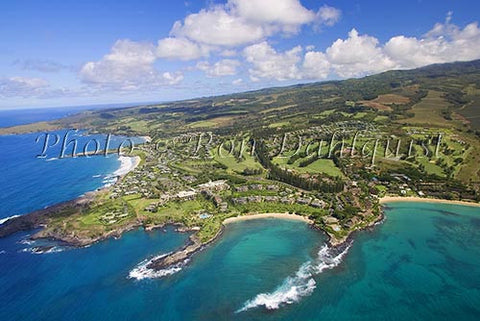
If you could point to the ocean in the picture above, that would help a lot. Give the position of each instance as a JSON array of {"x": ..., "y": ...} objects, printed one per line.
[
  {"x": 14, "y": 117},
  {"x": 28, "y": 183},
  {"x": 420, "y": 264}
]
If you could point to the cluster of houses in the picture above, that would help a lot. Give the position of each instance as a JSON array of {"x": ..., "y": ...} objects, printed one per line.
[
  {"x": 278, "y": 199},
  {"x": 256, "y": 187},
  {"x": 207, "y": 189},
  {"x": 113, "y": 217}
]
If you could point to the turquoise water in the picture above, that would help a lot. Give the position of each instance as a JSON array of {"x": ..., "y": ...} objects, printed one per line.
[{"x": 422, "y": 263}]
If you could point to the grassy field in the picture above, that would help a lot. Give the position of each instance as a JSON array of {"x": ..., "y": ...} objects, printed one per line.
[
  {"x": 471, "y": 111},
  {"x": 276, "y": 109},
  {"x": 470, "y": 169},
  {"x": 202, "y": 124},
  {"x": 278, "y": 125},
  {"x": 233, "y": 164},
  {"x": 213, "y": 122},
  {"x": 320, "y": 166},
  {"x": 428, "y": 112}
]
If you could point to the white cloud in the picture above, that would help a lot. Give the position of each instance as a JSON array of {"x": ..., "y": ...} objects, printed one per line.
[
  {"x": 180, "y": 48},
  {"x": 283, "y": 12},
  {"x": 242, "y": 22},
  {"x": 315, "y": 65},
  {"x": 129, "y": 66},
  {"x": 357, "y": 55},
  {"x": 225, "y": 67},
  {"x": 218, "y": 27},
  {"x": 128, "y": 61},
  {"x": 328, "y": 15},
  {"x": 22, "y": 87},
  {"x": 172, "y": 78},
  {"x": 237, "y": 82},
  {"x": 444, "y": 43},
  {"x": 228, "y": 53},
  {"x": 268, "y": 63}
]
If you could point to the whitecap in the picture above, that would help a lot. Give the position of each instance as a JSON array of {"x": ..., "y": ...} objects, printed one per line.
[
  {"x": 141, "y": 271},
  {"x": 109, "y": 180},
  {"x": 3, "y": 220},
  {"x": 300, "y": 285},
  {"x": 51, "y": 159},
  {"x": 55, "y": 249},
  {"x": 3, "y": 252},
  {"x": 43, "y": 250},
  {"x": 27, "y": 241}
]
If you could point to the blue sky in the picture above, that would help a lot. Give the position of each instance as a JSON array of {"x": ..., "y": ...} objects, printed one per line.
[{"x": 62, "y": 53}]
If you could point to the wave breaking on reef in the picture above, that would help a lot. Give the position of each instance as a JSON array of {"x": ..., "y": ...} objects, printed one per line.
[
  {"x": 302, "y": 284},
  {"x": 3, "y": 220},
  {"x": 141, "y": 271}
]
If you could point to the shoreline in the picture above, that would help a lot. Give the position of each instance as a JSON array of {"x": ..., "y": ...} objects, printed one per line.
[
  {"x": 286, "y": 216},
  {"x": 127, "y": 164},
  {"x": 39, "y": 218},
  {"x": 194, "y": 245},
  {"x": 414, "y": 199}
]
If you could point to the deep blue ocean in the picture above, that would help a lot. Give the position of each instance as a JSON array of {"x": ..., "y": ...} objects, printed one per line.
[
  {"x": 28, "y": 182},
  {"x": 13, "y": 117},
  {"x": 422, "y": 263}
]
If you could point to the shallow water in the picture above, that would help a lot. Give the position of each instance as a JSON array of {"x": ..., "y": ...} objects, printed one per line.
[{"x": 421, "y": 264}]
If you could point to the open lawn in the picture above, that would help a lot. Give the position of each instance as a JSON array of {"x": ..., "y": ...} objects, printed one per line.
[
  {"x": 278, "y": 125},
  {"x": 428, "y": 112},
  {"x": 238, "y": 166},
  {"x": 320, "y": 166}
]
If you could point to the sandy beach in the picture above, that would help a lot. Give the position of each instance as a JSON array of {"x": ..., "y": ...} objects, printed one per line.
[
  {"x": 127, "y": 164},
  {"x": 268, "y": 215},
  {"x": 391, "y": 199}
]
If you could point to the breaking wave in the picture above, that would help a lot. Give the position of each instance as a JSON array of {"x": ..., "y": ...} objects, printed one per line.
[
  {"x": 109, "y": 180},
  {"x": 3, "y": 220},
  {"x": 301, "y": 284},
  {"x": 141, "y": 271},
  {"x": 43, "y": 249}
]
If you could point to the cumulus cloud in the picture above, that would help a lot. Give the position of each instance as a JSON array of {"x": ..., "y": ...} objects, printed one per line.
[
  {"x": 129, "y": 66},
  {"x": 360, "y": 55},
  {"x": 444, "y": 43},
  {"x": 22, "y": 87},
  {"x": 315, "y": 66},
  {"x": 127, "y": 61},
  {"x": 225, "y": 67},
  {"x": 180, "y": 48},
  {"x": 288, "y": 15},
  {"x": 217, "y": 27},
  {"x": 357, "y": 55},
  {"x": 228, "y": 53},
  {"x": 268, "y": 63},
  {"x": 240, "y": 29},
  {"x": 172, "y": 78},
  {"x": 242, "y": 22},
  {"x": 328, "y": 15}
]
